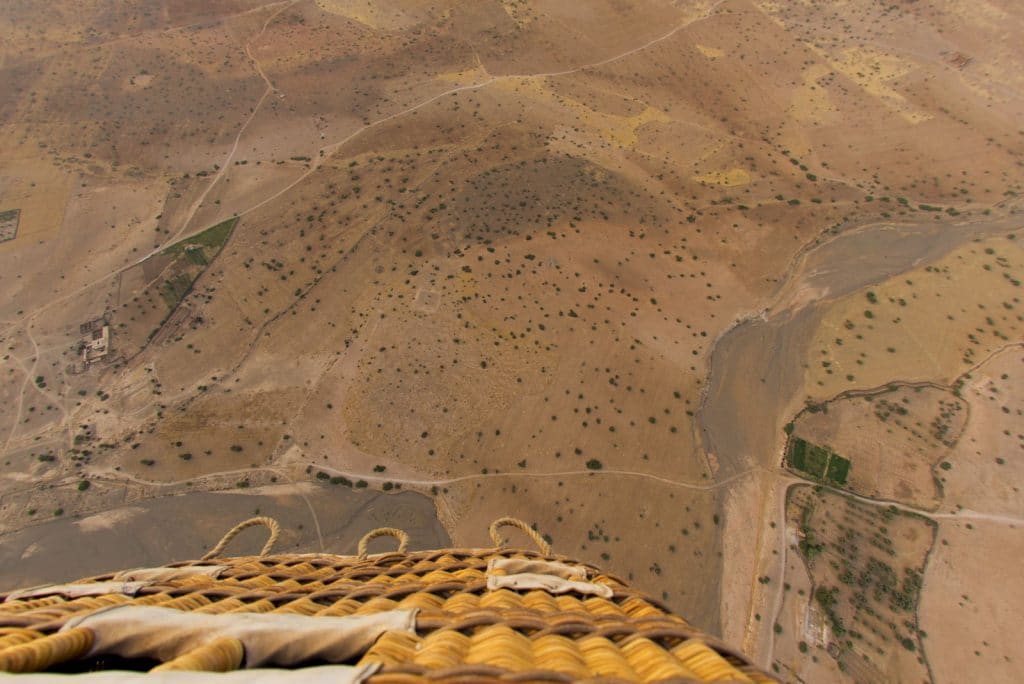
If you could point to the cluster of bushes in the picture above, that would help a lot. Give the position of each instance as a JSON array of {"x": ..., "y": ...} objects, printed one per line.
[{"x": 342, "y": 480}]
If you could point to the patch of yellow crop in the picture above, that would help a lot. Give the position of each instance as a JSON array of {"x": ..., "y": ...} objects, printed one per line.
[
  {"x": 709, "y": 52},
  {"x": 378, "y": 15},
  {"x": 350, "y": 10},
  {"x": 728, "y": 178},
  {"x": 811, "y": 103},
  {"x": 875, "y": 71},
  {"x": 622, "y": 131},
  {"x": 519, "y": 11},
  {"x": 466, "y": 76}
]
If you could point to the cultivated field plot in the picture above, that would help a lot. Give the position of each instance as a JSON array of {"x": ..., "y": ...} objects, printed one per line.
[
  {"x": 165, "y": 278},
  {"x": 894, "y": 441},
  {"x": 866, "y": 564},
  {"x": 818, "y": 462},
  {"x": 9, "y": 224}
]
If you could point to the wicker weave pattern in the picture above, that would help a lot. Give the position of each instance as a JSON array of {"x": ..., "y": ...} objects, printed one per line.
[{"x": 463, "y": 631}]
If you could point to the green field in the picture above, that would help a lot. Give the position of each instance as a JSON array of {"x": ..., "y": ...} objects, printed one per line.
[
  {"x": 821, "y": 463},
  {"x": 798, "y": 454},
  {"x": 838, "y": 469},
  {"x": 211, "y": 240},
  {"x": 175, "y": 288},
  {"x": 9, "y": 224},
  {"x": 196, "y": 257},
  {"x": 191, "y": 256}
]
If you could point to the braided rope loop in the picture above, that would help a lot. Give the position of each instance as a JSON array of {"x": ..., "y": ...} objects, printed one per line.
[
  {"x": 269, "y": 523},
  {"x": 400, "y": 535},
  {"x": 544, "y": 547}
]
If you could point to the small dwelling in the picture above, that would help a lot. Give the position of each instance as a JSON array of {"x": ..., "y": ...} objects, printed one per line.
[{"x": 96, "y": 340}]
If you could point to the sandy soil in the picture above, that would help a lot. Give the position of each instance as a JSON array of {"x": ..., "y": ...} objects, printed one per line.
[
  {"x": 930, "y": 324},
  {"x": 493, "y": 245},
  {"x": 648, "y": 541},
  {"x": 967, "y": 609},
  {"x": 986, "y": 471},
  {"x": 156, "y": 532}
]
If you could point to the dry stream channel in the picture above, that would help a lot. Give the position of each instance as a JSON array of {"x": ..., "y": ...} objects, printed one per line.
[{"x": 758, "y": 365}]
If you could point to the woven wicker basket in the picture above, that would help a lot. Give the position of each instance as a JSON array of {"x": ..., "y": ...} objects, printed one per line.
[{"x": 598, "y": 630}]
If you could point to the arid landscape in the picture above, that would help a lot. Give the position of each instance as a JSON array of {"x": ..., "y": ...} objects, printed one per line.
[{"x": 724, "y": 297}]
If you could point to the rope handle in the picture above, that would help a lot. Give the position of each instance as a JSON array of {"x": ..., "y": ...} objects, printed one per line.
[
  {"x": 269, "y": 523},
  {"x": 544, "y": 547},
  {"x": 400, "y": 535}
]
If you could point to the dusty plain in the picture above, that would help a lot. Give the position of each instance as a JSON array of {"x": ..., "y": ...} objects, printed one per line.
[{"x": 595, "y": 265}]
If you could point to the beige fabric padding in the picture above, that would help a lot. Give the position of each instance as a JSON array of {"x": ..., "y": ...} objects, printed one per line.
[
  {"x": 515, "y": 566},
  {"x": 326, "y": 674},
  {"x": 269, "y": 638},
  {"x": 77, "y": 590},
  {"x": 169, "y": 574},
  {"x": 548, "y": 583}
]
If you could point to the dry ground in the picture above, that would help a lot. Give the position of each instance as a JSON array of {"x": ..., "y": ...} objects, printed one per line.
[
  {"x": 651, "y": 534},
  {"x": 986, "y": 470},
  {"x": 485, "y": 245},
  {"x": 931, "y": 324},
  {"x": 155, "y": 532},
  {"x": 969, "y": 616}
]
